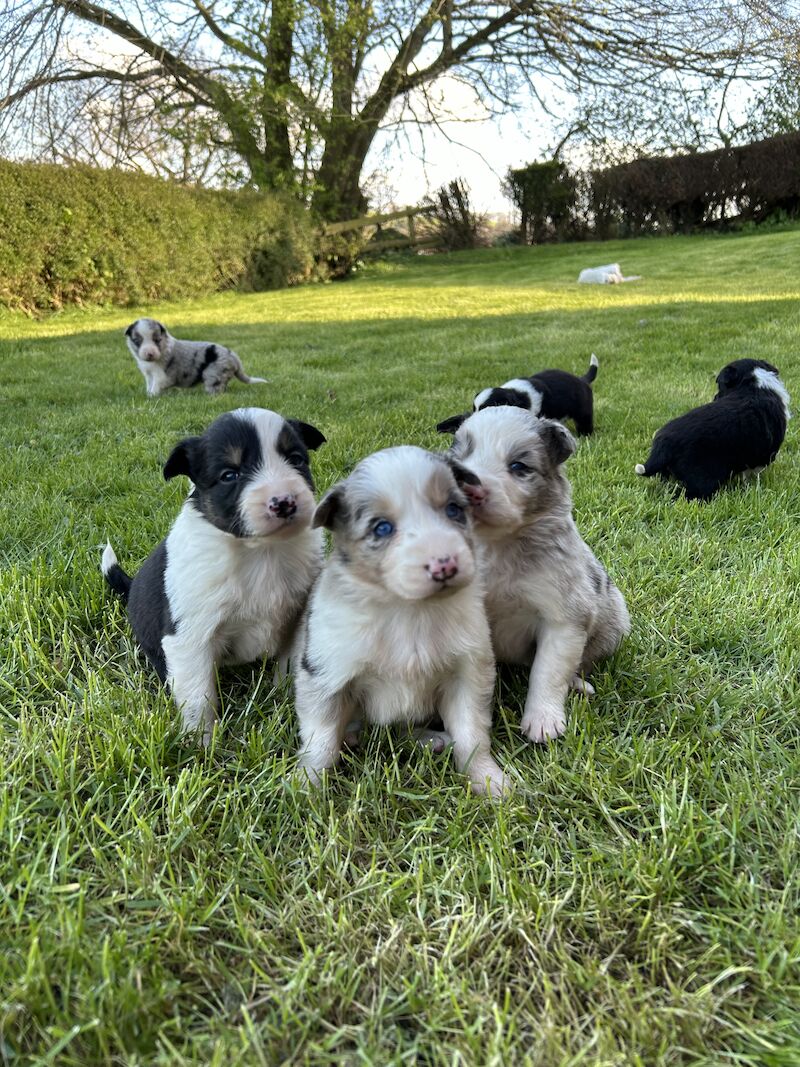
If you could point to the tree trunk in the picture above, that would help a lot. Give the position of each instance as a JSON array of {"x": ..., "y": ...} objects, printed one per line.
[{"x": 277, "y": 148}]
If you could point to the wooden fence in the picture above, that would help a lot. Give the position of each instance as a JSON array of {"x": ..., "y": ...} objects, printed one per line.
[{"x": 413, "y": 239}]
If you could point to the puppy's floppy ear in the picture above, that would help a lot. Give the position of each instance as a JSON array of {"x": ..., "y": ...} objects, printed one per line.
[
  {"x": 462, "y": 475},
  {"x": 309, "y": 435},
  {"x": 183, "y": 459},
  {"x": 558, "y": 441},
  {"x": 728, "y": 378},
  {"x": 452, "y": 424},
  {"x": 129, "y": 330},
  {"x": 331, "y": 509}
]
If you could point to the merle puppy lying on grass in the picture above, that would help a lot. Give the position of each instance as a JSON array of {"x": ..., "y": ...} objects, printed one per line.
[
  {"x": 395, "y": 627},
  {"x": 166, "y": 362},
  {"x": 551, "y": 605},
  {"x": 740, "y": 430},
  {"x": 552, "y": 394},
  {"x": 230, "y": 580}
]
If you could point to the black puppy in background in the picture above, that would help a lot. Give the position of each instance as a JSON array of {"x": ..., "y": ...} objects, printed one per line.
[
  {"x": 550, "y": 394},
  {"x": 740, "y": 430}
]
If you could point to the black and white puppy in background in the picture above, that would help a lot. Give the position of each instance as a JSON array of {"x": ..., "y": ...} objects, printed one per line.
[
  {"x": 550, "y": 394},
  {"x": 395, "y": 628},
  {"x": 740, "y": 430},
  {"x": 230, "y": 580},
  {"x": 166, "y": 362},
  {"x": 551, "y": 605}
]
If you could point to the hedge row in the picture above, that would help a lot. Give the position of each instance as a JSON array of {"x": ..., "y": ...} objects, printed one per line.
[
  {"x": 80, "y": 235},
  {"x": 682, "y": 193}
]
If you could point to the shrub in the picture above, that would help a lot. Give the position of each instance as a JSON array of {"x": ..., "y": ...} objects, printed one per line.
[
  {"x": 455, "y": 224},
  {"x": 80, "y": 235},
  {"x": 545, "y": 195}
]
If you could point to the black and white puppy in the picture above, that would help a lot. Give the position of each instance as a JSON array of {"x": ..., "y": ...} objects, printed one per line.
[
  {"x": 740, "y": 430},
  {"x": 550, "y": 394},
  {"x": 551, "y": 605},
  {"x": 230, "y": 581},
  {"x": 166, "y": 362},
  {"x": 395, "y": 628}
]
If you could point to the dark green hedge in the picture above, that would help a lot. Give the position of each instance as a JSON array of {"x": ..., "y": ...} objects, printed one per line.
[{"x": 79, "y": 235}]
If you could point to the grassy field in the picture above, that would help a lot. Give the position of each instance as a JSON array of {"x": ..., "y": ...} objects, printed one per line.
[{"x": 634, "y": 903}]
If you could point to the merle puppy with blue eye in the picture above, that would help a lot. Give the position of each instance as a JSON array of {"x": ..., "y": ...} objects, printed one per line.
[
  {"x": 550, "y": 394},
  {"x": 740, "y": 430},
  {"x": 230, "y": 580}
]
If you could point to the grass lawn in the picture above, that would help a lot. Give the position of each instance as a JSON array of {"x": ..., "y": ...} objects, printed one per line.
[{"x": 634, "y": 903}]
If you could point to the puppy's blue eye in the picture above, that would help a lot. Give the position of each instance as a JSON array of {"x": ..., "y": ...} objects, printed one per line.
[
  {"x": 383, "y": 528},
  {"x": 229, "y": 476},
  {"x": 518, "y": 468},
  {"x": 454, "y": 511}
]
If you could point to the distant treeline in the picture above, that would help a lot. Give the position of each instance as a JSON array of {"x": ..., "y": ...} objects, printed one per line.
[
  {"x": 662, "y": 194},
  {"x": 77, "y": 235}
]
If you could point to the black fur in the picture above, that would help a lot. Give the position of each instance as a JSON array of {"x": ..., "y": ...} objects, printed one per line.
[
  {"x": 741, "y": 429},
  {"x": 148, "y": 606},
  {"x": 209, "y": 356}
]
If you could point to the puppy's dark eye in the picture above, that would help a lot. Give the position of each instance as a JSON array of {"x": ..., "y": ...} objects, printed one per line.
[
  {"x": 383, "y": 528},
  {"x": 454, "y": 511},
  {"x": 517, "y": 467},
  {"x": 229, "y": 476},
  {"x": 297, "y": 459}
]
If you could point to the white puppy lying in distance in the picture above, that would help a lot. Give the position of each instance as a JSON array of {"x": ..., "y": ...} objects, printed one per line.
[
  {"x": 550, "y": 603},
  {"x": 395, "y": 628}
]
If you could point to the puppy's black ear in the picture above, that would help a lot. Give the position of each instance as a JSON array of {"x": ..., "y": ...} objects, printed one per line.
[
  {"x": 728, "y": 378},
  {"x": 452, "y": 424},
  {"x": 558, "y": 441},
  {"x": 331, "y": 509},
  {"x": 309, "y": 435},
  {"x": 462, "y": 475},
  {"x": 129, "y": 330},
  {"x": 183, "y": 459}
]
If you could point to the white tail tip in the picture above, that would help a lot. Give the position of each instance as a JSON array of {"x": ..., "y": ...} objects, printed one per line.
[
  {"x": 639, "y": 468},
  {"x": 257, "y": 381},
  {"x": 594, "y": 361},
  {"x": 109, "y": 558}
]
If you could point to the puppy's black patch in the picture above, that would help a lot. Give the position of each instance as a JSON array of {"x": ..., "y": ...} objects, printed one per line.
[
  {"x": 452, "y": 424},
  {"x": 209, "y": 356},
  {"x": 148, "y": 608},
  {"x": 507, "y": 398},
  {"x": 292, "y": 447}
]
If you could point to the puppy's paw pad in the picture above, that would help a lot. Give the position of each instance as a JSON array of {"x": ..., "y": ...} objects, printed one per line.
[
  {"x": 436, "y": 740},
  {"x": 580, "y": 685},
  {"x": 543, "y": 728}
]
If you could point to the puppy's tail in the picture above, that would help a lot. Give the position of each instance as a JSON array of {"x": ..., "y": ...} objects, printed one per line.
[
  {"x": 118, "y": 580},
  {"x": 240, "y": 374},
  {"x": 641, "y": 470},
  {"x": 591, "y": 373}
]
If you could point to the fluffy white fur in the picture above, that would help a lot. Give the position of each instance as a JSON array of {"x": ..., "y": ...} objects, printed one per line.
[
  {"x": 550, "y": 603},
  {"x": 386, "y": 635},
  {"x": 767, "y": 379}
]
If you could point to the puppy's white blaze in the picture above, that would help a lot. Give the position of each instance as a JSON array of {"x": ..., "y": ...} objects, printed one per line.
[
  {"x": 109, "y": 558},
  {"x": 767, "y": 379},
  {"x": 639, "y": 468},
  {"x": 522, "y": 385},
  {"x": 481, "y": 399},
  {"x": 594, "y": 361}
]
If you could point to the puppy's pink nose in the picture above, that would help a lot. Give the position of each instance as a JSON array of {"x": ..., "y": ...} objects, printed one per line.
[
  {"x": 441, "y": 568},
  {"x": 476, "y": 494},
  {"x": 283, "y": 507}
]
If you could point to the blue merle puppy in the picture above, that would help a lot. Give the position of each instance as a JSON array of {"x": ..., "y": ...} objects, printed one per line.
[{"x": 166, "y": 362}]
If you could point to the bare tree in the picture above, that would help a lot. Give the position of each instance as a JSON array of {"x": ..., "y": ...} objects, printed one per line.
[{"x": 295, "y": 91}]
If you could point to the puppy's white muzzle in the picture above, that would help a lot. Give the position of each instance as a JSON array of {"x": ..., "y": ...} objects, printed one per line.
[
  {"x": 275, "y": 509},
  {"x": 429, "y": 566},
  {"x": 149, "y": 353}
]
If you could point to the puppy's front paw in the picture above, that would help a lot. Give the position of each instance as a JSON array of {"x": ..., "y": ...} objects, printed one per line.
[
  {"x": 544, "y": 725},
  {"x": 307, "y": 778},
  {"x": 491, "y": 781}
]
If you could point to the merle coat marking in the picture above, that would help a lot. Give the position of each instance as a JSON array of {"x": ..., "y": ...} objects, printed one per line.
[{"x": 166, "y": 362}]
